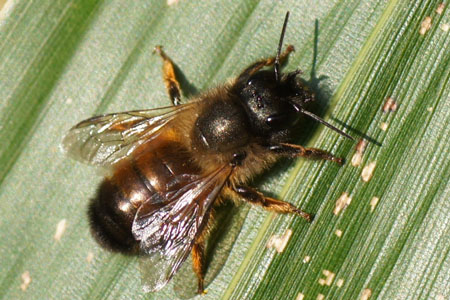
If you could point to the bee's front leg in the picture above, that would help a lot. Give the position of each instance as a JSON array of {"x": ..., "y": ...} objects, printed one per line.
[
  {"x": 256, "y": 66},
  {"x": 297, "y": 150}
]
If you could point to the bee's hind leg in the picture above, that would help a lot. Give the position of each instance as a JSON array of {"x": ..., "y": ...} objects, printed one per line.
[
  {"x": 198, "y": 264},
  {"x": 253, "y": 196},
  {"x": 170, "y": 80}
]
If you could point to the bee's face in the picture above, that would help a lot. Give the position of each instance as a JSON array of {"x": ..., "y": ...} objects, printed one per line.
[{"x": 271, "y": 105}]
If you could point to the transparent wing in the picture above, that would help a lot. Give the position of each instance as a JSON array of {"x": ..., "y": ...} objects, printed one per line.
[
  {"x": 104, "y": 140},
  {"x": 167, "y": 229}
]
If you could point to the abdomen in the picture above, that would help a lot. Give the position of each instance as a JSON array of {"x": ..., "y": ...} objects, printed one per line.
[{"x": 144, "y": 177}]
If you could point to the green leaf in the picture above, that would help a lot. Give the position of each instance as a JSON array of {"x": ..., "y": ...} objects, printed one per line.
[{"x": 64, "y": 61}]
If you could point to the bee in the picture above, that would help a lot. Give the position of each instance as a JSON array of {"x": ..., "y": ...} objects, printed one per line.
[{"x": 171, "y": 165}]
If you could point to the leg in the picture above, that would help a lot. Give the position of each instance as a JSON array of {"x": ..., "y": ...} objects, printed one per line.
[
  {"x": 170, "y": 80},
  {"x": 198, "y": 261},
  {"x": 253, "y": 196},
  {"x": 255, "y": 67},
  {"x": 297, "y": 150}
]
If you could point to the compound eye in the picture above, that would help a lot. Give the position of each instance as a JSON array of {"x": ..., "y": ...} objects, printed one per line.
[
  {"x": 277, "y": 121},
  {"x": 281, "y": 121}
]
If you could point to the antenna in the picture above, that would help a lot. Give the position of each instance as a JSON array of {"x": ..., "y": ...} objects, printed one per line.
[
  {"x": 280, "y": 44},
  {"x": 311, "y": 115}
]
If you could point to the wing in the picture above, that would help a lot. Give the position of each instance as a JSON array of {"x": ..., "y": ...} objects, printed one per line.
[
  {"x": 167, "y": 230},
  {"x": 104, "y": 140}
]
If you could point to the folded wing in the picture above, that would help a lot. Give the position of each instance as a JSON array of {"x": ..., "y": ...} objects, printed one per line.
[{"x": 167, "y": 230}]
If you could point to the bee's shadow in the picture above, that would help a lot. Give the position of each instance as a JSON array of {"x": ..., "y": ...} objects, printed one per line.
[{"x": 323, "y": 94}]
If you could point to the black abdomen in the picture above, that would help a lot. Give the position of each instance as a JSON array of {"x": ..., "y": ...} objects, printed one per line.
[{"x": 109, "y": 220}]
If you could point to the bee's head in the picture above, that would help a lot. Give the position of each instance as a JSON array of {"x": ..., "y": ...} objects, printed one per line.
[
  {"x": 274, "y": 101},
  {"x": 272, "y": 104}
]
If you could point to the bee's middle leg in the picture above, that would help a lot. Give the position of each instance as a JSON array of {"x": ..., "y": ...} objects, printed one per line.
[
  {"x": 172, "y": 85},
  {"x": 253, "y": 196}
]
